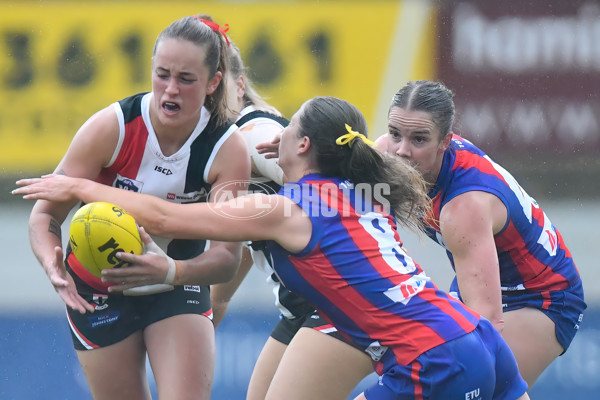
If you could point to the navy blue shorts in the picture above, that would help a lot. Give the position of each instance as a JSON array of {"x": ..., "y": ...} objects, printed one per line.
[
  {"x": 563, "y": 307},
  {"x": 478, "y": 365},
  {"x": 117, "y": 316}
]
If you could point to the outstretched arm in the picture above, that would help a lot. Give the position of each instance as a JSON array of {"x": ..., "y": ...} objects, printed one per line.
[
  {"x": 239, "y": 219},
  {"x": 157, "y": 216}
]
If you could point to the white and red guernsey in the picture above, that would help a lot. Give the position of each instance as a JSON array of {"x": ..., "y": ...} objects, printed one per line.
[{"x": 138, "y": 164}]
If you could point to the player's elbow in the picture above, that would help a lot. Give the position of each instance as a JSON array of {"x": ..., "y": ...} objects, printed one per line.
[
  {"x": 496, "y": 317},
  {"x": 498, "y": 322},
  {"x": 489, "y": 310}
]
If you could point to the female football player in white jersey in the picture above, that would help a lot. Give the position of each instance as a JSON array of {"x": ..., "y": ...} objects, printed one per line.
[{"x": 175, "y": 143}]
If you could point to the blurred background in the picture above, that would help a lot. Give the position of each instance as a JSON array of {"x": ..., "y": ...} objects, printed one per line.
[{"x": 527, "y": 82}]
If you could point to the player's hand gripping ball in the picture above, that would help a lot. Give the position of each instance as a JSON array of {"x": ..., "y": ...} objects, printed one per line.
[{"x": 100, "y": 230}]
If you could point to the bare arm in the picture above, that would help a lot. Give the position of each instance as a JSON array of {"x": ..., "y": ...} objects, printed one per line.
[
  {"x": 468, "y": 224},
  {"x": 90, "y": 149},
  {"x": 238, "y": 219}
]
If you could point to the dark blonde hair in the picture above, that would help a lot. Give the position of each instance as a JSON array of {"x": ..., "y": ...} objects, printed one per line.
[
  {"x": 323, "y": 120},
  {"x": 237, "y": 69},
  {"x": 193, "y": 30},
  {"x": 431, "y": 97}
]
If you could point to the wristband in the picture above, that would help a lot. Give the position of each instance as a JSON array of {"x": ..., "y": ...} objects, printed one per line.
[{"x": 171, "y": 272}]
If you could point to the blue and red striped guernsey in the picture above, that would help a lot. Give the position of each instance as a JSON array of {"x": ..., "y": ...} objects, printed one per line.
[
  {"x": 532, "y": 254},
  {"x": 355, "y": 271}
]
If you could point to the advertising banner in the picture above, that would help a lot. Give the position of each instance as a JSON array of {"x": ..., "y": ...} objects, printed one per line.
[
  {"x": 526, "y": 74},
  {"x": 61, "y": 61}
]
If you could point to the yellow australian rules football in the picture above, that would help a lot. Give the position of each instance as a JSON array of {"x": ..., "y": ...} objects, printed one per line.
[{"x": 98, "y": 232}]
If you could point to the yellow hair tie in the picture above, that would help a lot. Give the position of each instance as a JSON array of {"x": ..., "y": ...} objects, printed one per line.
[{"x": 348, "y": 137}]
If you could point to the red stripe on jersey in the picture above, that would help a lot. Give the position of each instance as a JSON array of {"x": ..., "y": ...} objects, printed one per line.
[
  {"x": 539, "y": 216},
  {"x": 87, "y": 276},
  {"x": 511, "y": 238},
  {"x": 130, "y": 155},
  {"x": 357, "y": 233},
  {"x": 390, "y": 329},
  {"x": 562, "y": 245},
  {"x": 445, "y": 305},
  {"x": 378, "y": 366},
  {"x": 414, "y": 374},
  {"x": 80, "y": 335},
  {"x": 432, "y": 218},
  {"x": 392, "y": 223},
  {"x": 465, "y": 160},
  {"x": 535, "y": 275},
  {"x": 132, "y": 151}
]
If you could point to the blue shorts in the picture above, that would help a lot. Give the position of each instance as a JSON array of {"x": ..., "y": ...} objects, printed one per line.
[
  {"x": 478, "y": 365},
  {"x": 563, "y": 307}
]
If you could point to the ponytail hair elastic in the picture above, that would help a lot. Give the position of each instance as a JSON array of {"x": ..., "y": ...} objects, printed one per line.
[
  {"x": 215, "y": 27},
  {"x": 350, "y": 136}
]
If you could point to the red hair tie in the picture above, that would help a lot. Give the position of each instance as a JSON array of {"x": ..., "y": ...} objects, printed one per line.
[{"x": 215, "y": 27}]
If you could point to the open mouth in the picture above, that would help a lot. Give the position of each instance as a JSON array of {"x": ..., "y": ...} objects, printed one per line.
[{"x": 170, "y": 107}]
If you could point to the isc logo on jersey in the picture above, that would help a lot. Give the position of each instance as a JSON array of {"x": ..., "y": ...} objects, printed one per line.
[{"x": 163, "y": 170}]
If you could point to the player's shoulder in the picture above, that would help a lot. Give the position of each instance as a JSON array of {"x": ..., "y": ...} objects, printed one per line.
[
  {"x": 232, "y": 153},
  {"x": 261, "y": 117},
  {"x": 101, "y": 126}
]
